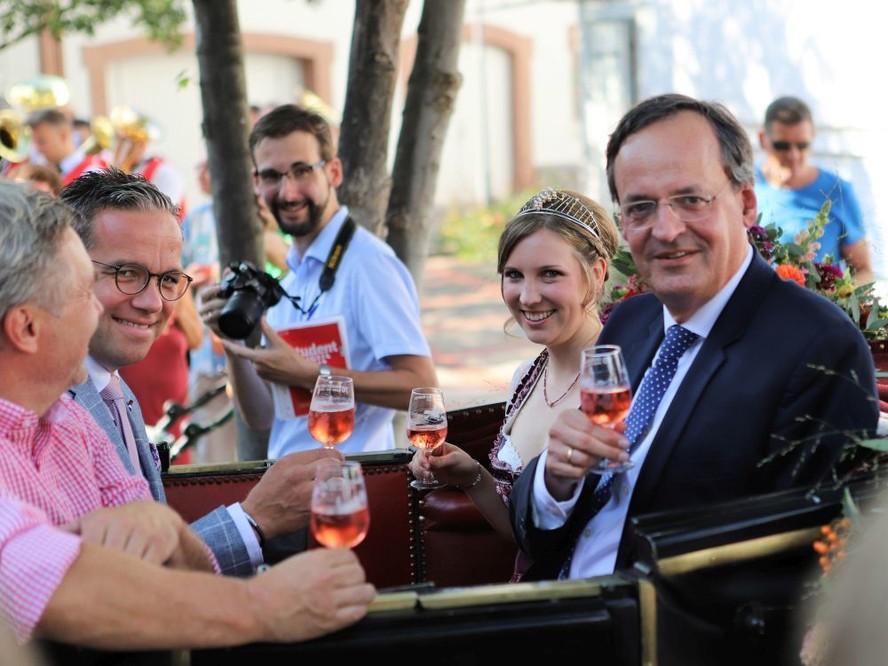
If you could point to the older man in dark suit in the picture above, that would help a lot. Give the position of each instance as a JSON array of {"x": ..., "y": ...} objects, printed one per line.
[{"x": 768, "y": 382}]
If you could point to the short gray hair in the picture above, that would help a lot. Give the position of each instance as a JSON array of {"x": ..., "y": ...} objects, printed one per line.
[{"x": 32, "y": 229}]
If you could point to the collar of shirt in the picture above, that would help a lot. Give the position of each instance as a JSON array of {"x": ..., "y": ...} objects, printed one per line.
[
  {"x": 702, "y": 321},
  {"x": 320, "y": 246},
  {"x": 16, "y": 418},
  {"x": 99, "y": 375}
]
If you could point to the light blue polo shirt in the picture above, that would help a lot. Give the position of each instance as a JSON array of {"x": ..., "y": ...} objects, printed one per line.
[
  {"x": 375, "y": 294},
  {"x": 791, "y": 210}
]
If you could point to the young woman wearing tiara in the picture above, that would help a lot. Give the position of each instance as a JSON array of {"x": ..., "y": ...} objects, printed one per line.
[{"x": 553, "y": 259}]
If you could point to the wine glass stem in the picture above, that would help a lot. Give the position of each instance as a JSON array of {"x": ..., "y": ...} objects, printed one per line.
[{"x": 428, "y": 454}]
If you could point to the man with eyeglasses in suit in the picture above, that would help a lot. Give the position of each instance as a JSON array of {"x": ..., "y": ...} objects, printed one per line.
[
  {"x": 791, "y": 191},
  {"x": 131, "y": 232}
]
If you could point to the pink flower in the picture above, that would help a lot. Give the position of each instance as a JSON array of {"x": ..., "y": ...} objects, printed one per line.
[{"x": 829, "y": 274}]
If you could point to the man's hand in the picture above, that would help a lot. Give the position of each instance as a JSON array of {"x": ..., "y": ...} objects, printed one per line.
[
  {"x": 575, "y": 445},
  {"x": 148, "y": 530},
  {"x": 310, "y": 594},
  {"x": 211, "y": 304},
  {"x": 277, "y": 361},
  {"x": 281, "y": 501}
]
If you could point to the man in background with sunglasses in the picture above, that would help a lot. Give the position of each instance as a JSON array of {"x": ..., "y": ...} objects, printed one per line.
[{"x": 791, "y": 191}]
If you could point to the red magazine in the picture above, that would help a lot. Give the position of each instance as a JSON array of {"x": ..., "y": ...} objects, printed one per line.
[{"x": 320, "y": 342}]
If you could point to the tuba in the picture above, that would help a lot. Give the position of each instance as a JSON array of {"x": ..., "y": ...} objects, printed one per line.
[
  {"x": 15, "y": 137},
  {"x": 101, "y": 135},
  {"x": 133, "y": 131},
  {"x": 27, "y": 96},
  {"x": 42, "y": 92}
]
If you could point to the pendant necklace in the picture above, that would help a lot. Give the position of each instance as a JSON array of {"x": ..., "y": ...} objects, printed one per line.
[{"x": 563, "y": 395}]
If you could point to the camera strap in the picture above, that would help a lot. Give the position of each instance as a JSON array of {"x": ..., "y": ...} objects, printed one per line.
[
  {"x": 328, "y": 276},
  {"x": 343, "y": 238}
]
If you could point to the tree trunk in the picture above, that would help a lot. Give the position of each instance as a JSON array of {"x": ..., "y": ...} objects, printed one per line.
[
  {"x": 225, "y": 128},
  {"x": 223, "y": 91},
  {"x": 431, "y": 97},
  {"x": 366, "y": 123}
]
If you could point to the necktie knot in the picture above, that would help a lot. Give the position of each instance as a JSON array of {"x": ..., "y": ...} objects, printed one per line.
[
  {"x": 678, "y": 340},
  {"x": 113, "y": 390}
]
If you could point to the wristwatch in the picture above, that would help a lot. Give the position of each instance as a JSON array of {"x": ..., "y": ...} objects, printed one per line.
[{"x": 324, "y": 370}]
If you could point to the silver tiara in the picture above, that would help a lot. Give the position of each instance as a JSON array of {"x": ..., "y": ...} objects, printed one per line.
[{"x": 563, "y": 205}]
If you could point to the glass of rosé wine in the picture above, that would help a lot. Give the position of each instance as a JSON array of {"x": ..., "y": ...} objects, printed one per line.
[
  {"x": 605, "y": 394},
  {"x": 340, "y": 516},
  {"x": 426, "y": 427},
  {"x": 331, "y": 415}
]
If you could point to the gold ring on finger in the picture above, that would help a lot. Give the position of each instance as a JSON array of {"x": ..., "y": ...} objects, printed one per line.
[{"x": 570, "y": 453}]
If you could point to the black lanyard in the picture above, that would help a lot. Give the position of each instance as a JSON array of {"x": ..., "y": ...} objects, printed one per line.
[{"x": 328, "y": 276}]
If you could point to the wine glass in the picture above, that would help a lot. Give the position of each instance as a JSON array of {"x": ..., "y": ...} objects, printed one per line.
[
  {"x": 340, "y": 516},
  {"x": 426, "y": 427},
  {"x": 605, "y": 394},
  {"x": 331, "y": 415}
]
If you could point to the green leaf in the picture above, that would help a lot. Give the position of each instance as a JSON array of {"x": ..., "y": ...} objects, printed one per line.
[
  {"x": 876, "y": 444},
  {"x": 161, "y": 20},
  {"x": 850, "y": 508}
]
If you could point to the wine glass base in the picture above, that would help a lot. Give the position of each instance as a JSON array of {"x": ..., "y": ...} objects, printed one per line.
[
  {"x": 610, "y": 467},
  {"x": 425, "y": 485}
]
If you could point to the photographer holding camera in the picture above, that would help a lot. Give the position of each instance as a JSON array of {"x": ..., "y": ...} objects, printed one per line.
[{"x": 370, "y": 290}]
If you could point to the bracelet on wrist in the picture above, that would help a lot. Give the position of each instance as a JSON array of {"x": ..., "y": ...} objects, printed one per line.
[
  {"x": 474, "y": 483},
  {"x": 260, "y": 535}
]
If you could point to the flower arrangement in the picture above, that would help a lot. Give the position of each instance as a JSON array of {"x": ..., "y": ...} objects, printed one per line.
[
  {"x": 792, "y": 261},
  {"x": 795, "y": 261},
  {"x": 622, "y": 265}
]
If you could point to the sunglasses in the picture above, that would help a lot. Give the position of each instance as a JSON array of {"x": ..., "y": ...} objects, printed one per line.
[{"x": 784, "y": 146}]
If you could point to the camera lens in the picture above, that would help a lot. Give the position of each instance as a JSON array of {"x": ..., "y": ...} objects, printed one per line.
[{"x": 241, "y": 314}]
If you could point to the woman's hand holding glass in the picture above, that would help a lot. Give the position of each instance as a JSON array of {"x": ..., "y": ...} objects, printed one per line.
[{"x": 426, "y": 427}]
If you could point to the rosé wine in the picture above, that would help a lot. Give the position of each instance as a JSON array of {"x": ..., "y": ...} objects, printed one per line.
[
  {"x": 605, "y": 406},
  {"x": 333, "y": 427},
  {"x": 340, "y": 530},
  {"x": 427, "y": 437}
]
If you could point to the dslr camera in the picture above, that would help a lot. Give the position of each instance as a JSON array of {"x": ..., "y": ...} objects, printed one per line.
[{"x": 250, "y": 292}]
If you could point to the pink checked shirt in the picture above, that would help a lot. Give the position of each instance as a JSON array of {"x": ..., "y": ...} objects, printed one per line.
[
  {"x": 34, "y": 557},
  {"x": 65, "y": 465}
]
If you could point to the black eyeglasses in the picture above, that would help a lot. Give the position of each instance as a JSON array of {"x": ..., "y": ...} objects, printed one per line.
[
  {"x": 299, "y": 172},
  {"x": 131, "y": 279},
  {"x": 784, "y": 146}
]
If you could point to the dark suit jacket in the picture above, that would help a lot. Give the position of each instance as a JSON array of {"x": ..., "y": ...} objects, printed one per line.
[{"x": 783, "y": 370}]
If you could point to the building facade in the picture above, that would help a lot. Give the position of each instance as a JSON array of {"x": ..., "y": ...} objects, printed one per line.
[{"x": 544, "y": 81}]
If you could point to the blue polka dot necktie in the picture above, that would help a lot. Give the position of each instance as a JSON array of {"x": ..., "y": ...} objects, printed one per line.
[{"x": 638, "y": 421}]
